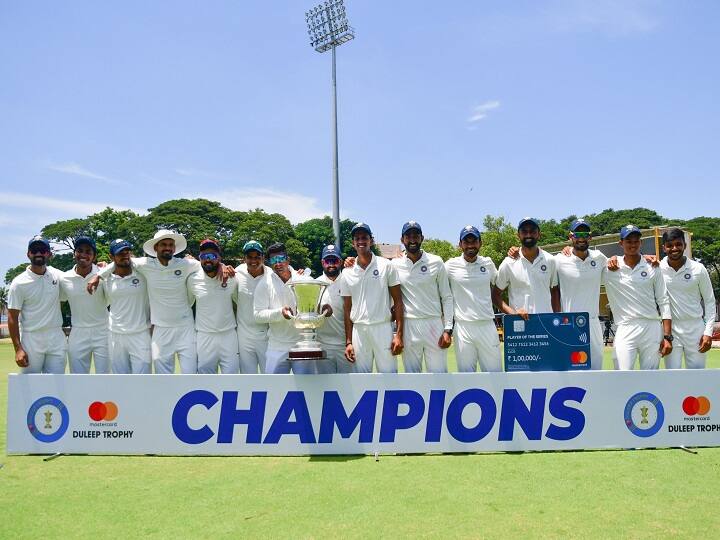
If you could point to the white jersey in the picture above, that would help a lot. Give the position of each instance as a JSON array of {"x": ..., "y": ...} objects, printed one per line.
[
  {"x": 271, "y": 295},
  {"x": 247, "y": 326},
  {"x": 368, "y": 288},
  {"x": 87, "y": 310},
  {"x": 129, "y": 304},
  {"x": 37, "y": 298},
  {"x": 425, "y": 288},
  {"x": 637, "y": 293},
  {"x": 213, "y": 302},
  {"x": 332, "y": 332},
  {"x": 686, "y": 287},
  {"x": 471, "y": 285},
  {"x": 529, "y": 282},
  {"x": 167, "y": 289},
  {"x": 580, "y": 281}
]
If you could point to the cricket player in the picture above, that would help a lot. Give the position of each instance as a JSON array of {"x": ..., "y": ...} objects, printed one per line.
[
  {"x": 274, "y": 305},
  {"x": 636, "y": 291},
  {"x": 471, "y": 278},
  {"x": 170, "y": 312},
  {"x": 580, "y": 274},
  {"x": 332, "y": 334},
  {"x": 428, "y": 304},
  {"x": 89, "y": 334},
  {"x": 217, "y": 343},
  {"x": 366, "y": 288},
  {"x": 530, "y": 277},
  {"x": 689, "y": 289},
  {"x": 126, "y": 291},
  {"x": 251, "y": 335},
  {"x": 34, "y": 318}
]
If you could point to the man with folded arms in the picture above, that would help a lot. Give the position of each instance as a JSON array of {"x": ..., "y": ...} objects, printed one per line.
[
  {"x": 34, "y": 318},
  {"x": 126, "y": 291}
]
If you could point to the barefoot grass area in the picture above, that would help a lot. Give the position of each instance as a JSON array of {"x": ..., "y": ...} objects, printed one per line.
[{"x": 591, "y": 494}]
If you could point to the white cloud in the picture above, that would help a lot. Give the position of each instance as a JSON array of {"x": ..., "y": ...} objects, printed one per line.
[
  {"x": 610, "y": 16},
  {"x": 295, "y": 206},
  {"x": 60, "y": 206},
  {"x": 480, "y": 112},
  {"x": 78, "y": 170}
]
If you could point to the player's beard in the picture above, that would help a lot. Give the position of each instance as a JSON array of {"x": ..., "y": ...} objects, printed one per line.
[
  {"x": 529, "y": 242},
  {"x": 332, "y": 272},
  {"x": 38, "y": 260},
  {"x": 413, "y": 248},
  {"x": 165, "y": 255},
  {"x": 470, "y": 253},
  {"x": 123, "y": 264},
  {"x": 210, "y": 267},
  {"x": 581, "y": 246}
]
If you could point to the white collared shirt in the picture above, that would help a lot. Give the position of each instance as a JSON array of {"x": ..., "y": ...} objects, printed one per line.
[
  {"x": 471, "y": 284},
  {"x": 87, "y": 310},
  {"x": 247, "y": 326},
  {"x": 271, "y": 295},
  {"x": 580, "y": 281},
  {"x": 213, "y": 302},
  {"x": 637, "y": 293},
  {"x": 425, "y": 288},
  {"x": 37, "y": 298},
  {"x": 529, "y": 282},
  {"x": 686, "y": 288},
  {"x": 332, "y": 332},
  {"x": 368, "y": 288},
  {"x": 129, "y": 304}
]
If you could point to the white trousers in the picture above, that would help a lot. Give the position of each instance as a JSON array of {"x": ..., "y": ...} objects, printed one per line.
[
  {"x": 477, "y": 342},
  {"x": 45, "y": 349},
  {"x": 130, "y": 353},
  {"x": 687, "y": 341},
  {"x": 335, "y": 361},
  {"x": 277, "y": 362},
  {"x": 642, "y": 338},
  {"x": 252, "y": 354},
  {"x": 168, "y": 341},
  {"x": 421, "y": 341},
  {"x": 372, "y": 342},
  {"x": 84, "y": 343},
  {"x": 218, "y": 349},
  {"x": 597, "y": 344}
]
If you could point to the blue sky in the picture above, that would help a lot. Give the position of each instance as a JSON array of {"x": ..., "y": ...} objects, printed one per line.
[{"x": 448, "y": 111}]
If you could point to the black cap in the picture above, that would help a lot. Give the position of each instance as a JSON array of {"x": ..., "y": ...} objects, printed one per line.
[
  {"x": 37, "y": 239},
  {"x": 85, "y": 240}
]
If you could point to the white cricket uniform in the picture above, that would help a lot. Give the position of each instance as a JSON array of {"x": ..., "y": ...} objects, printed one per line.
[
  {"x": 428, "y": 305},
  {"x": 271, "y": 295},
  {"x": 529, "y": 282},
  {"x": 372, "y": 331},
  {"x": 251, "y": 335},
  {"x": 476, "y": 336},
  {"x": 89, "y": 333},
  {"x": 129, "y": 341},
  {"x": 332, "y": 333},
  {"x": 41, "y": 336},
  {"x": 580, "y": 282},
  {"x": 170, "y": 312},
  {"x": 215, "y": 324},
  {"x": 689, "y": 289},
  {"x": 635, "y": 294}
]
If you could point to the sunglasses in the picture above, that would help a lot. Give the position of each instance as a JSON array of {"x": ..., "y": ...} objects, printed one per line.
[
  {"x": 209, "y": 257},
  {"x": 330, "y": 260},
  {"x": 277, "y": 259},
  {"x": 41, "y": 251},
  {"x": 582, "y": 234}
]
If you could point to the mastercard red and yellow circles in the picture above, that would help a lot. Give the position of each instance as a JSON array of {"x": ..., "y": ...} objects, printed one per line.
[
  {"x": 699, "y": 405},
  {"x": 578, "y": 357},
  {"x": 100, "y": 411}
]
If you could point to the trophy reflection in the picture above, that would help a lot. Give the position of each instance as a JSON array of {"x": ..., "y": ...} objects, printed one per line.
[{"x": 308, "y": 318}]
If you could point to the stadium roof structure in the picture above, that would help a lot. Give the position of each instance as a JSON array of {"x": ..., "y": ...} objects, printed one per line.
[{"x": 391, "y": 251}]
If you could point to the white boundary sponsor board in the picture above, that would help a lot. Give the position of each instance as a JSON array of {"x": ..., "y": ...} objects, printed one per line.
[{"x": 361, "y": 414}]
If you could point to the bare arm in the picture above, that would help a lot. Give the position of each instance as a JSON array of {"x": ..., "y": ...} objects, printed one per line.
[
  {"x": 555, "y": 299},
  {"x": 396, "y": 345},
  {"x": 21, "y": 357},
  {"x": 349, "y": 349}
]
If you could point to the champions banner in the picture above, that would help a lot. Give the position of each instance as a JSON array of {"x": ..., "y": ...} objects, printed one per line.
[{"x": 361, "y": 414}]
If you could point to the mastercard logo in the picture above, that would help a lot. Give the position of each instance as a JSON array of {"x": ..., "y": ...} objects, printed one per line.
[
  {"x": 692, "y": 405},
  {"x": 578, "y": 357},
  {"x": 100, "y": 411}
]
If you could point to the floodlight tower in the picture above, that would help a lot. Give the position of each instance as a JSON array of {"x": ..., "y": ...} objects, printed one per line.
[{"x": 328, "y": 28}]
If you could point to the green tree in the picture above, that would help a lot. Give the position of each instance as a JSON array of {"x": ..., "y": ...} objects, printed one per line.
[
  {"x": 3, "y": 298},
  {"x": 317, "y": 233},
  {"x": 706, "y": 245},
  {"x": 441, "y": 248},
  {"x": 497, "y": 238},
  {"x": 611, "y": 221},
  {"x": 15, "y": 271},
  {"x": 64, "y": 232}
]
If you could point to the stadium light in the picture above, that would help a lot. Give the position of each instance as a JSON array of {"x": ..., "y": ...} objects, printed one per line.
[{"x": 328, "y": 29}]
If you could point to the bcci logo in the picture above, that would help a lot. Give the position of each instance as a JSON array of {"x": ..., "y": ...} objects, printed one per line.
[
  {"x": 580, "y": 321},
  {"x": 423, "y": 268},
  {"x": 48, "y": 419},
  {"x": 135, "y": 281},
  {"x": 543, "y": 268},
  {"x": 483, "y": 269},
  {"x": 224, "y": 285},
  {"x": 644, "y": 273},
  {"x": 644, "y": 414},
  {"x": 178, "y": 272},
  {"x": 687, "y": 277},
  {"x": 593, "y": 264},
  {"x": 376, "y": 272}
]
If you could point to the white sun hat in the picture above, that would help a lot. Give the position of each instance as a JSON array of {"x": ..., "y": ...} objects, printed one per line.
[{"x": 163, "y": 234}]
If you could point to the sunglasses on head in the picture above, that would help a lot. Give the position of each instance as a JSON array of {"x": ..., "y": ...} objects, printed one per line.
[
  {"x": 582, "y": 234},
  {"x": 277, "y": 259},
  {"x": 209, "y": 257}
]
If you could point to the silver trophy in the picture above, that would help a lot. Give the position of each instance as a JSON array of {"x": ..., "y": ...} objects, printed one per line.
[{"x": 308, "y": 318}]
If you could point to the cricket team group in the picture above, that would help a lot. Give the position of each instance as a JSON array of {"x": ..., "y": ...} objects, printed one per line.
[{"x": 136, "y": 315}]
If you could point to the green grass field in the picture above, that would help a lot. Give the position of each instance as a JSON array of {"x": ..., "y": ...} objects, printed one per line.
[{"x": 599, "y": 494}]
